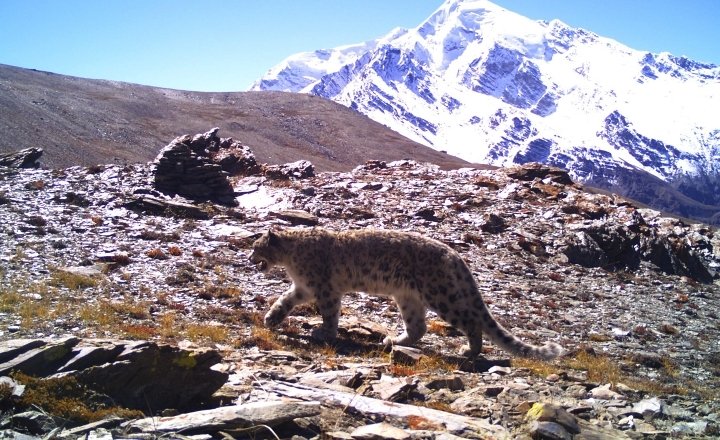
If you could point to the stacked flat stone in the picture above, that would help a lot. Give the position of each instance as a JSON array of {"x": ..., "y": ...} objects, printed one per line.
[
  {"x": 188, "y": 167},
  {"x": 234, "y": 158}
]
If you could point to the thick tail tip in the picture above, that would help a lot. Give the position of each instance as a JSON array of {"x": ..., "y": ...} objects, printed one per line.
[{"x": 549, "y": 351}]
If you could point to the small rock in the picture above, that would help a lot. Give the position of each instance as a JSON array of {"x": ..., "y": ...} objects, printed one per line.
[
  {"x": 533, "y": 170},
  {"x": 428, "y": 214},
  {"x": 552, "y": 377},
  {"x": 547, "y": 412},
  {"x": 15, "y": 389},
  {"x": 493, "y": 224},
  {"x": 336, "y": 435},
  {"x": 650, "y": 409},
  {"x": 500, "y": 370},
  {"x": 549, "y": 431},
  {"x": 494, "y": 391},
  {"x": 577, "y": 391},
  {"x": 34, "y": 422},
  {"x": 405, "y": 355},
  {"x": 146, "y": 204},
  {"x": 452, "y": 383},
  {"x": 101, "y": 425},
  {"x": 228, "y": 417},
  {"x": 296, "y": 217},
  {"x": 93, "y": 271},
  {"x": 100, "y": 434},
  {"x": 690, "y": 428},
  {"x": 380, "y": 431},
  {"x": 605, "y": 393},
  {"x": 8, "y": 434},
  {"x": 394, "y": 389}
]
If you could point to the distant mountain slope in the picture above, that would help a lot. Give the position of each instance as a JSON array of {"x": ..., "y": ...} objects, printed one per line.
[
  {"x": 491, "y": 86},
  {"x": 83, "y": 122}
]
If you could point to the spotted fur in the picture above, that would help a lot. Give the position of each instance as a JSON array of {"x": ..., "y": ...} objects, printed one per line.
[{"x": 419, "y": 273}]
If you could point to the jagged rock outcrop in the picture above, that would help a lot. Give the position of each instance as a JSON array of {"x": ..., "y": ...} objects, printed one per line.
[
  {"x": 625, "y": 246},
  {"x": 197, "y": 167},
  {"x": 27, "y": 158},
  {"x": 301, "y": 169},
  {"x": 134, "y": 374}
]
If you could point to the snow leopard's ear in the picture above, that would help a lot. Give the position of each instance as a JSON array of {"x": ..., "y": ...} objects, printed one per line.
[{"x": 273, "y": 238}]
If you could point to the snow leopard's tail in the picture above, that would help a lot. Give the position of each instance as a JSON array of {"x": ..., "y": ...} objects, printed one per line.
[{"x": 512, "y": 344}]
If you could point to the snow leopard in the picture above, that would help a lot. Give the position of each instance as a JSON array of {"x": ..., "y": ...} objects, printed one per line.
[{"x": 418, "y": 272}]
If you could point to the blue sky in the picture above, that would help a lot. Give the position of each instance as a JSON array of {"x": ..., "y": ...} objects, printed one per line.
[{"x": 224, "y": 45}]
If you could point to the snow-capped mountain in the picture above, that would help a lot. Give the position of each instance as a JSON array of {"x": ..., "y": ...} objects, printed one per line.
[{"x": 492, "y": 86}]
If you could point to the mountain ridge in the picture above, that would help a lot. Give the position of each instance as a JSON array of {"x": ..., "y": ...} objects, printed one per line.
[
  {"x": 80, "y": 121},
  {"x": 491, "y": 86}
]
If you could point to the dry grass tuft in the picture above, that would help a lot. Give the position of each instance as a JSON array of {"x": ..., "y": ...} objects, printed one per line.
[
  {"x": 206, "y": 332},
  {"x": 427, "y": 364},
  {"x": 72, "y": 281},
  {"x": 600, "y": 369},
  {"x": 537, "y": 367},
  {"x": 100, "y": 314},
  {"x": 261, "y": 337},
  {"x": 219, "y": 291},
  {"x": 403, "y": 370},
  {"x": 422, "y": 423},
  {"x": 9, "y": 300},
  {"x": 65, "y": 398},
  {"x": 438, "y": 405},
  {"x": 131, "y": 308},
  {"x": 599, "y": 337},
  {"x": 438, "y": 327},
  {"x": 138, "y": 331},
  {"x": 157, "y": 254}
]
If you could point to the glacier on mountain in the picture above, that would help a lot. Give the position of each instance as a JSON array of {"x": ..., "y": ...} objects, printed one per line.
[{"x": 492, "y": 86}]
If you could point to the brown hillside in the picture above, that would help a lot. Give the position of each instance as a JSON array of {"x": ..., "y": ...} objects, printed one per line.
[{"x": 84, "y": 122}]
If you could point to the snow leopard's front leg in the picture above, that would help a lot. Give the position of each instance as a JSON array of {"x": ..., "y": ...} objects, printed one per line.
[{"x": 284, "y": 305}]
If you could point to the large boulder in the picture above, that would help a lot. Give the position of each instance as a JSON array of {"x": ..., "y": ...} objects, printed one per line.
[
  {"x": 671, "y": 250},
  {"x": 27, "y": 158},
  {"x": 135, "y": 374},
  {"x": 197, "y": 167}
]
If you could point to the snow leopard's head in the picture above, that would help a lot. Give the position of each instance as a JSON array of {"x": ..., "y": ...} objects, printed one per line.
[{"x": 267, "y": 251}]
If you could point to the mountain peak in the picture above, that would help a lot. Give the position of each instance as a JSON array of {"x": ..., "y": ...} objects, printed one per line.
[{"x": 492, "y": 86}]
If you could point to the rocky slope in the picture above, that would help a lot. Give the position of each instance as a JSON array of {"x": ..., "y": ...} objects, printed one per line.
[
  {"x": 99, "y": 252},
  {"x": 494, "y": 87},
  {"x": 79, "y": 121}
]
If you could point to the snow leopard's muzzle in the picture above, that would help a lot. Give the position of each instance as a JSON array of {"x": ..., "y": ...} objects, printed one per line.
[{"x": 259, "y": 262}]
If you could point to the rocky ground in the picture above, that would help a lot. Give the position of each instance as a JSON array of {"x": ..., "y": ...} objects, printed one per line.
[{"x": 100, "y": 253}]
